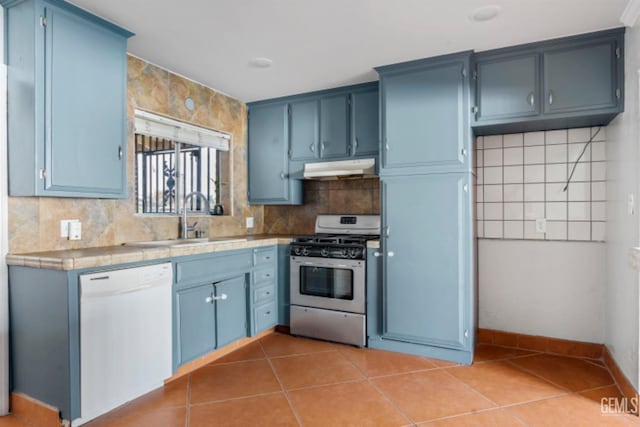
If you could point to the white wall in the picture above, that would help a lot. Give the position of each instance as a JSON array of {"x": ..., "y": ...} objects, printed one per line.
[
  {"x": 554, "y": 289},
  {"x": 622, "y": 314}
]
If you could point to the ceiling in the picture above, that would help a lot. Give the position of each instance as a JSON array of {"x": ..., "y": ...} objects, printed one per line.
[{"x": 322, "y": 44}]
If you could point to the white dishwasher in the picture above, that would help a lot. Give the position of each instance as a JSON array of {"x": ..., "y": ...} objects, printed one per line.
[{"x": 125, "y": 336}]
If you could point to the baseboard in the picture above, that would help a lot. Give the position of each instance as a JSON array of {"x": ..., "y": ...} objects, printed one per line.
[
  {"x": 33, "y": 411},
  {"x": 283, "y": 329},
  {"x": 540, "y": 343},
  {"x": 621, "y": 380},
  {"x": 187, "y": 368}
]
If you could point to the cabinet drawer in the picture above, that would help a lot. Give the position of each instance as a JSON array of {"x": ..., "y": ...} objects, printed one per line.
[
  {"x": 264, "y": 275},
  {"x": 264, "y": 293},
  {"x": 212, "y": 267},
  {"x": 264, "y": 256},
  {"x": 266, "y": 316}
]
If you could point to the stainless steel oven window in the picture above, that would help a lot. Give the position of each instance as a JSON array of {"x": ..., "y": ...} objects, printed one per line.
[{"x": 327, "y": 282}]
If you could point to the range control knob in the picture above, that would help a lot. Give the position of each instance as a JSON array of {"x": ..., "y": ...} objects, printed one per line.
[
  {"x": 324, "y": 252},
  {"x": 297, "y": 250},
  {"x": 354, "y": 252},
  {"x": 305, "y": 251},
  {"x": 344, "y": 253}
]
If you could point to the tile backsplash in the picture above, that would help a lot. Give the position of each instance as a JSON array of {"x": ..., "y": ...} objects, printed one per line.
[
  {"x": 521, "y": 179},
  {"x": 352, "y": 196}
]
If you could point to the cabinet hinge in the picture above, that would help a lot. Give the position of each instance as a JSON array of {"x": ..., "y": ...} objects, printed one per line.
[
  {"x": 464, "y": 72},
  {"x": 474, "y": 109},
  {"x": 618, "y": 93},
  {"x": 289, "y": 109},
  {"x": 43, "y": 21},
  {"x": 475, "y": 74},
  {"x": 618, "y": 52},
  {"x": 466, "y": 333},
  {"x": 43, "y": 174},
  {"x": 289, "y": 152}
]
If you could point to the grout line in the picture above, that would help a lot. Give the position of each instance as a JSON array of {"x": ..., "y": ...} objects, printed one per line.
[
  {"x": 523, "y": 369},
  {"x": 284, "y": 356},
  {"x": 384, "y": 395},
  {"x": 284, "y": 391},
  {"x": 232, "y": 399}
]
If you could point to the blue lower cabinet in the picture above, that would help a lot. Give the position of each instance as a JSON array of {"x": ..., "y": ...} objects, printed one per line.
[
  {"x": 196, "y": 322},
  {"x": 427, "y": 266},
  {"x": 231, "y": 310}
]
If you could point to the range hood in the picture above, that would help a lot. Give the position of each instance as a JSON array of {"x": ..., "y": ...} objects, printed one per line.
[{"x": 357, "y": 168}]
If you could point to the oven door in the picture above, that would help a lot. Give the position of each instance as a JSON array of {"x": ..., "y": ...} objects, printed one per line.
[{"x": 333, "y": 284}]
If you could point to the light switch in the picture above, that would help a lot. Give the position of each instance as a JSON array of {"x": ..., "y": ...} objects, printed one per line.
[
  {"x": 541, "y": 225},
  {"x": 75, "y": 230},
  {"x": 64, "y": 226},
  {"x": 250, "y": 222}
]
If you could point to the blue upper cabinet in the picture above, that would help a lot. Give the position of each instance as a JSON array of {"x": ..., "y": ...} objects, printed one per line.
[
  {"x": 581, "y": 77},
  {"x": 425, "y": 115},
  {"x": 268, "y": 168},
  {"x": 303, "y": 129},
  {"x": 62, "y": 142},
  {"x": 571, "y": 82},
  {"x": 334, "y": 126},
  {"x": 507, "y": 87},
  {"x": 364, "y": 123}
]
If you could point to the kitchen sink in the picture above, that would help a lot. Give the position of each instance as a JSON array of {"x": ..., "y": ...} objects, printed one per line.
[{"x": 187, "y": 242}]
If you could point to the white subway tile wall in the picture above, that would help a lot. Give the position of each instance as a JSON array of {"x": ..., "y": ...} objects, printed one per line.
[{"x": 521, "y": 178}]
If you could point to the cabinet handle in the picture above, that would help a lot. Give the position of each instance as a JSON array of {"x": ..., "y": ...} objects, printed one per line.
[
  {"x": 119, "y": 152},
  {"x": 321, "y": 148},
  {"x": 386, "y": 147},
  {"x": 267, "y": 313},
  {"x": 377, "y": 254},
  {"x": 532, "y": 99},
  {"x": 312, "y": 147},
  {"x": 208, "y": 300},
  {"x": 355, "y": 146},
  {"x": 463, "y": 152},
  {"x": 282, "y": 176},
  {"x": 465, "y": 188},
  {"x": 550, "y": 97},
  {"x": 390, "y": 254},
  {"x": 220, "y": 298},
  {"x": 387, "y": 230}
]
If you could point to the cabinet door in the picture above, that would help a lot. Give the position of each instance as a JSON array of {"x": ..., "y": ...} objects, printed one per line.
[
  {"x": 578, "y": 78},
  {"x": 196, "y": 322},
  {"x": 364, "y": 124},
  {"x": 334, "y": 126},
  {"x": 425, "y": 117},
  {"x": 427, "y": 287},
  {"x": 507, "y": 87},
  {"x": 85, "y": 84},
  {"x": 303, "y": 130},
  {"x": 268, "y": 165},
  {"x": 231, "y": 310}
]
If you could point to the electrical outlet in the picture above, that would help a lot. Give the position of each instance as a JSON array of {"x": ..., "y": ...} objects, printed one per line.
[
  {"x": 250, "y": 222},
  {"x": 64, "y": 226},
  {"x": 541, "y": 225}
]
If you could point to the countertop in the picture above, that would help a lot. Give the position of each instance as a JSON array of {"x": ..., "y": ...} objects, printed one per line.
[{"x": 76, "y": 259}]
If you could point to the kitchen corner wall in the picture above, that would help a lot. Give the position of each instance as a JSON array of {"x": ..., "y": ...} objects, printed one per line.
[
  {"x": 34, "y": 221},
  {"x": 554, "y": 283},
  {"x": 351, "y": 196}
]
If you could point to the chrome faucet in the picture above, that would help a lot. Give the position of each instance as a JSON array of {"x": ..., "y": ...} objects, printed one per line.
[{"x": 185, "y": 227}]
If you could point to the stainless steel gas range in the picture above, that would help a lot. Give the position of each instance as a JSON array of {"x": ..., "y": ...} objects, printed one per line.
[{"x": 328, "y": 278}]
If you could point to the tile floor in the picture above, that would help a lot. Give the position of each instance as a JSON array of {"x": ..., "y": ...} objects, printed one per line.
[{"x": 287, "y": 381}]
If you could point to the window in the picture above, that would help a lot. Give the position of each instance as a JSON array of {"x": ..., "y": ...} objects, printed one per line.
[{"x": 174, "y": 159}]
